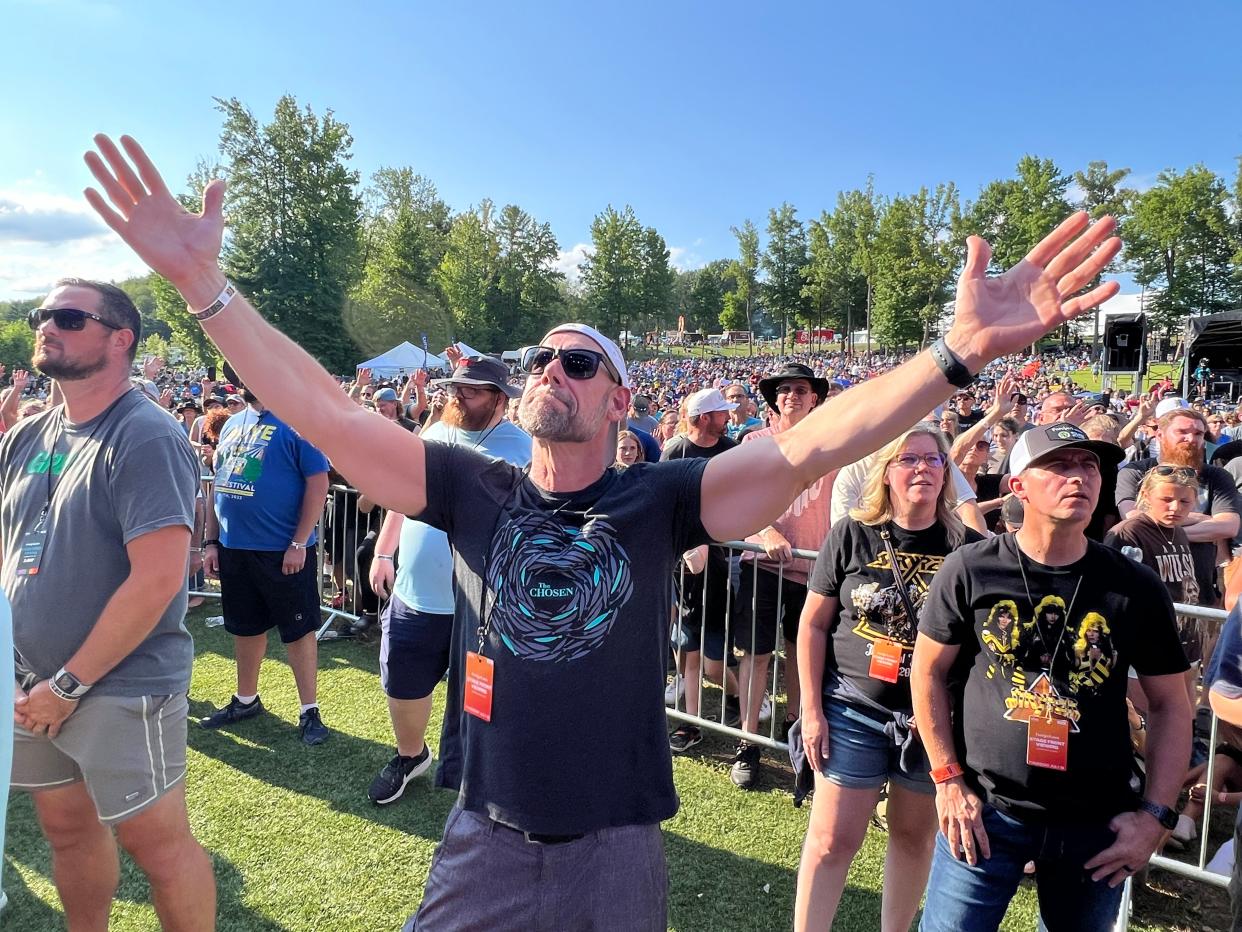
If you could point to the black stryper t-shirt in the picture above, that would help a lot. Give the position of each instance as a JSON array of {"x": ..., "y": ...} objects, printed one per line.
[
  {"x": 854, "y": 567},
  {"x": 1017, "y": 657},
  {"x": 577, "y": 607}
]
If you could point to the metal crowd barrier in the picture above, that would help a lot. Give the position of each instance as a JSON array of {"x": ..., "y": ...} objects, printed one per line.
[{"x": 729, "y": 682}]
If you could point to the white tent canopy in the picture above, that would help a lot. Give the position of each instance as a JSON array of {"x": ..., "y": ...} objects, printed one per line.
[
  {"x": 403, "y": 359},
  {"x": 467, "y": 350}
]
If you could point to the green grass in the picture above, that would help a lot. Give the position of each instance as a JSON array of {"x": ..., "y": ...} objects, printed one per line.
[{"x": 297, "y": 846}]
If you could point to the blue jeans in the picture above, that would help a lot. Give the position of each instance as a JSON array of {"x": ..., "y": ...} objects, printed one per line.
[{"x": 962, "y": 898}]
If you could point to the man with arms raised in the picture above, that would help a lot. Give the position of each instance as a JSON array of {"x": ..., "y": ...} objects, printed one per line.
[
  {"x": 1019, "y": 687},
  {"x": 562, "y": 601},
  {"x": 96, "y": 509}
]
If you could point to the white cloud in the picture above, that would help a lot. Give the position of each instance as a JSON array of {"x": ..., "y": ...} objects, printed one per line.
[
  {"x": 45, "y": 236},
  {"x": 568, "y": 260},
  {"x": 683, "y": 259}
]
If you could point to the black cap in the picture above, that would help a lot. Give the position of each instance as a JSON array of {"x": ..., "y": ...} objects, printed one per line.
[{"x": 1036, "y": 443}]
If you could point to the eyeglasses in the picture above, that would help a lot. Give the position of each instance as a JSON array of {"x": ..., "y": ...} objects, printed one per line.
[
  {"x": 912, "y": 460},
  {"x": 798, "y": 390},
  {"x": 1182, "y": 472},
  {"x": 66, "y": 318},
  {"x": 579, "y": 364},
  {"x": 468, "y": 392}
]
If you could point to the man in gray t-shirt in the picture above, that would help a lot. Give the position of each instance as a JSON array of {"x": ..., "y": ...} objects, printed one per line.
[{"x": 96, "y": 514}]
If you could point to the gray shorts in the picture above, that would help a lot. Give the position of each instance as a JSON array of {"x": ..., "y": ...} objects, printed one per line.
[
  {"x": 130, "y": 750},
  {"x": 486, "y": 876}
]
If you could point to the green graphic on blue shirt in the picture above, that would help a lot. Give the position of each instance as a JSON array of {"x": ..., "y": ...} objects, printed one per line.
[
  {"x": 241, "y": 458},
  {"x": 556, "y": 590},
  {"x": 39, "y": 462}
]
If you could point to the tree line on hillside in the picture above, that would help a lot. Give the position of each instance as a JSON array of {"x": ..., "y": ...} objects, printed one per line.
[{"x": 349, "y": 270}]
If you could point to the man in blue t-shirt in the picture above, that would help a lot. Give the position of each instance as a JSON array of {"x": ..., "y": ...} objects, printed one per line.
[{"x": 270, "y": 487}]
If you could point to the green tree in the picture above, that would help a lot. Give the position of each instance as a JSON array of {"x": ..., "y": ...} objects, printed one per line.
[
  {"x": 1180, "y": 239},
  {"x": 405, "y": 235},
  {"x": 836, "y": 293},
  {"x": 183, "y": 330},
  {"x": 295, "y": 222},
  {"x": 915, "y": 265},
  {"x": 16, "y": 345},
  {"x": 654, "y": 301},
  {"x": 705, "y": 301},
  {"x": 783, "y": 263},
  {"x": 733, "y": 316},
  {"x": 1014, "y": 214},
  {"x": 139, "y": 291},
  {"x": 1103, "y": 194},
  {"x": 746, "y": 275},
  {"x": 612, "y": 274}
]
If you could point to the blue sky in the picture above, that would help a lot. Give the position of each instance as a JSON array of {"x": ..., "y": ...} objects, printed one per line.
[{"x": 698, "y": 114}]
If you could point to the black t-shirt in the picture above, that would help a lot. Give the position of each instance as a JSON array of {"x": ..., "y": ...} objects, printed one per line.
[
  {"x": 1165, "y": 551},
  {"x": 1069, "y": 640},
  {"x": 854, "y": 567},
  {"x": 682, "y": 447},
  {"x": 1217, "y": 495},
  {"x": 968, "y": 420},
  {"x": 577, "y": 603}
]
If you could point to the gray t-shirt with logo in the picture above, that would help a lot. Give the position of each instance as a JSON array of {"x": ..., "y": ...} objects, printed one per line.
[{"x": 123, "y": 474}]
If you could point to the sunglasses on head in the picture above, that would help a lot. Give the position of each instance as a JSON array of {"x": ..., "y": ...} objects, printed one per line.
[
  {"x": 578, "y": 364},
  {"x": 1184, "y": 472},
  {"x": 66, "y": 318}
]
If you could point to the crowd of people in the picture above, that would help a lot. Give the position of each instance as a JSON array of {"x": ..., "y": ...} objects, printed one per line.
[{"x": 986, "y": 634}]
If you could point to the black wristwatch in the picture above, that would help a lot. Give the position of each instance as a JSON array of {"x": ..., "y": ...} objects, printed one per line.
[
  {"x": 68, "y": 686},
  {"x": 953, "y": 368},
  {"x": 1162, "y": 814}
]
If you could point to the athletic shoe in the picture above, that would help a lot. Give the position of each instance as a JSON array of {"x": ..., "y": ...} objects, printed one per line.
[
  {"x": 746, "y": 766},
  {"x": 311, "y": 727},
  {"x": 685, "y": 737},
  {"x": 391, "y": 782},
  {"x": 675, "y": 690},
  {"x": 733, "y": 712},
  {"x": 236, "y": 711},
  {"x": 765, "y": 710}
]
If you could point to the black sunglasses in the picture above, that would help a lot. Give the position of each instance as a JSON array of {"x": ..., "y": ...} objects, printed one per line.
[
  {"x": 1184, "y": 472},
  {"x": 579, "y": 364},
  {"x": 67, "y": 318}
]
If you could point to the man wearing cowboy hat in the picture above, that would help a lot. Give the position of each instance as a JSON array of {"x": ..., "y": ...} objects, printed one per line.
[
  {"x": 417, "y": 622},
  {"x": 792, "y": 392}
]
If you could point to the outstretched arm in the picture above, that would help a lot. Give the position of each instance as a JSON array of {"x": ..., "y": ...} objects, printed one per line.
[
  {"x": 993, "y": 317},
  {"x": 376, "y": 455}
]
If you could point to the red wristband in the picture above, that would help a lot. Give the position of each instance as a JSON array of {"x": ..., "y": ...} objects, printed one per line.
[{"x": 946, "y": 773}]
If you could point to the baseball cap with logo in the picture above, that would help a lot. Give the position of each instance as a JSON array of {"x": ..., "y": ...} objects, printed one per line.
[
  {"x": 384, "y": 394},
  {"x": 1170, "y": 404},
  {"x": 1040, "y": 442},
  {"x": 707, "y": 401}
]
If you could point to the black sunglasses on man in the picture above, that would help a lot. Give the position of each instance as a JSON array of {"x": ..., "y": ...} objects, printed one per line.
[
  {"x": 580, "y": 364},
  {"x": 66, "y": 318}
]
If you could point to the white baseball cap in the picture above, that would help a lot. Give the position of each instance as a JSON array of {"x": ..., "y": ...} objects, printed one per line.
[
  {"x": 611, "y": 350},
  {"x": 707, "y": 401},
  {"x": 1170, "y": 404}
]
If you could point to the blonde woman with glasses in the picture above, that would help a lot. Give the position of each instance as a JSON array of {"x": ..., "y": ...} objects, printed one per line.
[{"x": 855, "y": 641}]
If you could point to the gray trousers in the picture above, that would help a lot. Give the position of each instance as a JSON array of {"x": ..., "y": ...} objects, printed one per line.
[{"x": 486, "y": 876}]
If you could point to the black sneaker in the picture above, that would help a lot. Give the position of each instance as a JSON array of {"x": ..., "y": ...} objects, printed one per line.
[
  {"x": 746, "y": 765},
  {"x": 733, "y": 712},
  {"x": 236, "y": 711},
  {"x": 391, "y": 782},
  {"x": 685, "y": 737},
  {"x": 311, "y": 727}
]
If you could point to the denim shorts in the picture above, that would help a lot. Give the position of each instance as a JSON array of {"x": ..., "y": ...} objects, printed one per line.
[{"x": 862, "y": 757}]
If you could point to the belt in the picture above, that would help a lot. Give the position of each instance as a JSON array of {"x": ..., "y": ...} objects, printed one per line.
[{"x": 540, "y": 838}]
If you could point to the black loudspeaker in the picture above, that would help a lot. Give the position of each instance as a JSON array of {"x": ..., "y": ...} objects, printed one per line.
[{"x": 1123, "y": 343}]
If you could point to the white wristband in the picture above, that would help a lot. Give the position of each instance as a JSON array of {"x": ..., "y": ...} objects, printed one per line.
[{"x": 218, "y": 305}]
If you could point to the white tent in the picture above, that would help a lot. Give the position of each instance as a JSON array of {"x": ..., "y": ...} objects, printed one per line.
[
  {"x": 402, "y": 360},
  {"x": 467, "y": 350}
]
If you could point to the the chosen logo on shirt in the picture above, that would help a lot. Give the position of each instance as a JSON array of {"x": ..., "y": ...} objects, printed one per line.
[
  {"x": 556, "y": 589},
  {"x": 880, "y": 609},
  {"x": 241, "y": 458}
]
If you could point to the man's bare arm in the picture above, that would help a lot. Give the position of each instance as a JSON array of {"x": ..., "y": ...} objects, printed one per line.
[
  {"x": 376, "y": 455},
  {"x": 1223, "y": 526},
  {"x": 993, "y": 316}
]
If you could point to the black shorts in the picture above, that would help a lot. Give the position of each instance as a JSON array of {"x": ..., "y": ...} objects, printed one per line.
[
  {"x": 760, "y": 637},
  {"x": 414, "y": 650},
  {"x": 257, "y": 596},
  {"x": 703, "y": 607}
]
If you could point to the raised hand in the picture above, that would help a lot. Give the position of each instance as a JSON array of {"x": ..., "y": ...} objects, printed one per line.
[
  {"x": 996, "y": 316},
  {"x": 364, "y": 378},
  {"x": 21, "y": 378},
  {"x": 181, "y": 246},
  {"x": 453, "y": 355},
  {"x": 151, "y": 367}
]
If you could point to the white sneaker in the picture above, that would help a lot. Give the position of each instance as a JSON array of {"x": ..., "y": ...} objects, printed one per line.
[
  {"x": 1186, "y": 829},
  {"x": 675, "y": 690},
  {"x": 765, "y": 710}
]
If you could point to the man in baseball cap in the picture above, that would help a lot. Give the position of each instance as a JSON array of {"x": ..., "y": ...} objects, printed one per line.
[{"x": 1040, "y": 628}]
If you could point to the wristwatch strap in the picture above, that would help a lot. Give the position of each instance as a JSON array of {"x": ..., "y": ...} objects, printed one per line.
[{"x": 952, "y": 367}]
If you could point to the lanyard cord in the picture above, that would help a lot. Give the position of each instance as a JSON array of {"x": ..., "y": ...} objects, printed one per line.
[{"x": 1035, "y": 620}]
